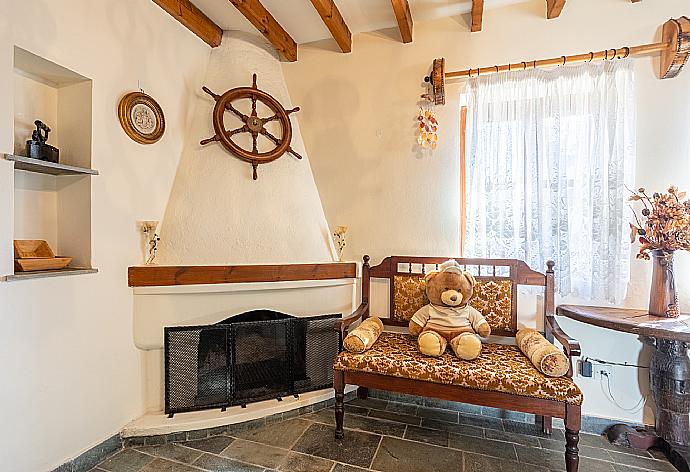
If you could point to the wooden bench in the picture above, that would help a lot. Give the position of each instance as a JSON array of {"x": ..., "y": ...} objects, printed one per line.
[{"x": 502, "y": 377}]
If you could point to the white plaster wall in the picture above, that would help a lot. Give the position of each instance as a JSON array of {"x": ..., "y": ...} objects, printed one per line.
[
  {"x": 359, "y": 123},
  {"x": 71, "y": 374},
  {"x": 217, "y": 213}
]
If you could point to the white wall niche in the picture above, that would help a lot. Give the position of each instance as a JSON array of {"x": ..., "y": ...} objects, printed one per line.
[{"x": 56, "y": 208}]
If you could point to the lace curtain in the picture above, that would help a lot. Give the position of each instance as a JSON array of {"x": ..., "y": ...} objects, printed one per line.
[{"x": 549, "y": 156}]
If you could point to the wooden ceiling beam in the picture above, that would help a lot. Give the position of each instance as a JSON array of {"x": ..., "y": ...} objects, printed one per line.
[
  {"x": 193, "y": 19},
  {"x": 477, "y": 15},
  {"x": 404, "y": 17},
  {"x": 263, "y": 21},
  {"x": 554, "y": 8},
  {"x": 335, "y": 23}
]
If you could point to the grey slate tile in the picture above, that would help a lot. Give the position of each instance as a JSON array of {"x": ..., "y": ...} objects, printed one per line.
[
  {"x": 453, "y": 406},
  {"x": 255, "y": 453},
  {"x": 214, "y": 444},
  {"x": 584, "y": 451},
  {"x": 357, "y": 448},
  {"x": 396, "y": 455},
  {"x": 164, "y": 465},
  {"x": 438, "y": 414},
  {"x": 347, "y": 468},
  {"x": 507, "y": 414},
  {"x": 642, "y": 462},
  {"x": 482, "y": 421},
  {"x": 530, "y": 455},
  {"x": 393, "y": 416},
  {"x": 426, "y": 435},
  {"x": 296, "y": 462},
  {"x": 466, "y": 429},
  {"x": 523, "y": 440},
  {"x": 480, "y": 463},
  {"x": 172, "y": 451},
  {"x": 280, "y": 434},
  {"x": 374, "y": 403},
  {"x": 530, "y": 429},
  {"x": 487, "y": 447},
  {"x": 406, "y": 408},
  {"x": 96, "y": 454},
  {"x": 128, "y": 460},
  {"x": 222, "y": 464},
  {"x": 363, "y": 423}
]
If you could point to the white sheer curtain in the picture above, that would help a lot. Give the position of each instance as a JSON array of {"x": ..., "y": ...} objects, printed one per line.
[{"x": 549, "y": 156}]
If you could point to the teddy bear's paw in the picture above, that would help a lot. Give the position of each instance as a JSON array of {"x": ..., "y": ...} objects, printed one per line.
[
  {"x": 431, "y": 343},
  {"x": 466, "y": 346}
]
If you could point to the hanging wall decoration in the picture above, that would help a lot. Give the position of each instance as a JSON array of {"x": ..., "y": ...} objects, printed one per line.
[
  {"x": 251, "y": 124},
  {"x": 141, "y": 117},
  {"x": 428, "y": 129}
]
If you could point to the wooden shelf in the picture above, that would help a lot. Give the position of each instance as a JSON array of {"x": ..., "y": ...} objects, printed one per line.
[
  {"x": 151, "y": 276},
  {"x": 44, "y": 167},
  {"x": 40, "y": 274}
]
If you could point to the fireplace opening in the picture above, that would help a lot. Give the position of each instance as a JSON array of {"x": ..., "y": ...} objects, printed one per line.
[{"x": 250, "y": 357}]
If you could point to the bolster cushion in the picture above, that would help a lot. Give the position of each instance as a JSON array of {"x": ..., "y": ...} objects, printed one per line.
[
  {"x": 546, "y": 357},
  {"x": 364, "y": 336}
]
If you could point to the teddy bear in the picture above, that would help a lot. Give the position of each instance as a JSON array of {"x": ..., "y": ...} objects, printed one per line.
[{"x": 449, "y": 318}]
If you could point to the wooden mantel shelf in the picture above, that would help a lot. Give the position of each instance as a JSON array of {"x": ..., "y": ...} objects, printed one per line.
[{"x": 160, "y": 276}]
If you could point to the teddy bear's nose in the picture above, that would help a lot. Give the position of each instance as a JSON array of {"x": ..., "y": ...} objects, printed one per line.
[{"x": 454, "y": 298}]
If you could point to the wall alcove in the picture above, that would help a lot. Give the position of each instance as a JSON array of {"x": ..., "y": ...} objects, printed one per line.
[{"x": 53, "y": 201}]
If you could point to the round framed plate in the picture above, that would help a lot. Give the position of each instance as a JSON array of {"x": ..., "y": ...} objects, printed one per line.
[{"x": 141, "y": 117}]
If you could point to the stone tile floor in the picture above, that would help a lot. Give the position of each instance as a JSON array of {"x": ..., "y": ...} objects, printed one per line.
[{"x": 387, "y": 437}]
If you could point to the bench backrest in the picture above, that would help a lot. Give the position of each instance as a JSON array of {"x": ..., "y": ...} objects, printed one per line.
[{"x": 495, "y": 293}]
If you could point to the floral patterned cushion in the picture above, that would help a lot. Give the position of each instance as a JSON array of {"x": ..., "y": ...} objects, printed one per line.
[
  {"x": 493, "y": 299},
  {"x": 500, "y": 368}
]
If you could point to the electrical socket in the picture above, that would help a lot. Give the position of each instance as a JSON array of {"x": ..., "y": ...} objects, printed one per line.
[{"x": 585, "y": 369}]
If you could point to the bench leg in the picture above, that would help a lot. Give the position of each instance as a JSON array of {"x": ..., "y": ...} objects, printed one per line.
[
  {"x": 572, "y": 437},
  {"x": 339, "y": 385},
  {"x": 546, "y": 424},
  {"x": 362, "y": 393}
]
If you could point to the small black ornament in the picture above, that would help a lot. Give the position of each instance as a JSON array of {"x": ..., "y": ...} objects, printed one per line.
[{"x": 37, "y": 147}]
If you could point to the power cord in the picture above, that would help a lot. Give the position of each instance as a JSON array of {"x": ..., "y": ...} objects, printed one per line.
[
  {"x": 638, "y": 406},
  {"x": 625, "y": 364}
]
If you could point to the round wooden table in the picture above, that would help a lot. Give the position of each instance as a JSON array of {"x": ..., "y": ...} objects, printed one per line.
[{"x": 669, "y": 369}]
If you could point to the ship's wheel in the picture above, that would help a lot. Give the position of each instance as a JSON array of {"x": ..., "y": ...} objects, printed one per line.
[{"x": 252, "y": 124}]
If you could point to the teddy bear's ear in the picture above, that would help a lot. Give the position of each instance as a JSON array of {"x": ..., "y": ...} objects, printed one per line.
[
  {"x": 470, "y": 278},
  {"x": 430, "y": 275}
]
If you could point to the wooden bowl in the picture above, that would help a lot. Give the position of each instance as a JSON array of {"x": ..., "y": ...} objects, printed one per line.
[
  {"x": 29, "y": 265},
  {"x": 32, "y": 249}
]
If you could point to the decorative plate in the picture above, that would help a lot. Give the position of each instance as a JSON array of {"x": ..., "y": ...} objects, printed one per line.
[{"x": 141, "y": 117}]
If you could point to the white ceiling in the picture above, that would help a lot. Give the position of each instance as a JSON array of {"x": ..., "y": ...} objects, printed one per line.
[{"x": 300, "y": 20}]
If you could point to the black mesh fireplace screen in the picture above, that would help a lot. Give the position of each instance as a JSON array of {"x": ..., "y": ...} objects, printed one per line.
[{"x": 254, "y": 356}]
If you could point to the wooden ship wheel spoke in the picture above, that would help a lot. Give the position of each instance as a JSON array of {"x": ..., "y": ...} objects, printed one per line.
[{"x": 252, "y": 124}]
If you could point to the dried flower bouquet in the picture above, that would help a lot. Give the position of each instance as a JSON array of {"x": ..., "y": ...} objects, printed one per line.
[{"x": 664, "y": 222}]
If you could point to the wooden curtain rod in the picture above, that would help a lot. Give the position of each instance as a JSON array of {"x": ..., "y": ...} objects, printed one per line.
[
  {"x": 674, "y": 49},
  {"x": 607, "y": 54}
]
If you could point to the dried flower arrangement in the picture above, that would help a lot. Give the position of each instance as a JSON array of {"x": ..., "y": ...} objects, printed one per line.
[
  {"x": 665, "y": 221},
  {"x": 339, "y": 239}
]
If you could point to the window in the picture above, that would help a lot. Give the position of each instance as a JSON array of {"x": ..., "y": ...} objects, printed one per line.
[{"x": 549, "y": 155}]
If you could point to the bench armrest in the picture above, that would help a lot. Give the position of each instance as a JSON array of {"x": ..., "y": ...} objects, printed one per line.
[
  {"x": 344, "y": 323},
  {"x": 570, "y": 345}
]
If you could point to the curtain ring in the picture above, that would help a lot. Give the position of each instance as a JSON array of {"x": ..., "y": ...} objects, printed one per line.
[
  {"x": 497, "y": 71},
  {"x": 478, "y": 71},
  {"x": 534, "y": 64},
  {"x": 591, "y": 56},
  {"x": 564, "y": 59},
  {"x": 615, "y": 52},
  {"x": 509, "y": 67},
  {"x": 606, "y": 57},
  {"x": 627, "y": 52},
  {"x": 524, "y": 65}
]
